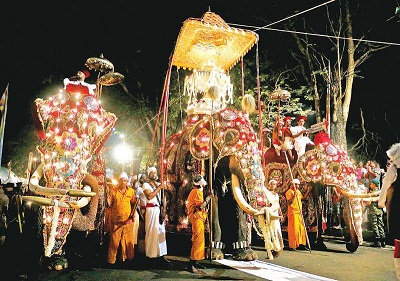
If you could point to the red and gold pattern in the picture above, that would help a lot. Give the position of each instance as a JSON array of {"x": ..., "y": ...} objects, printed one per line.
[
  {"x": 72, "y": 127},
  {"x": 232, "y": 135},
  {"x": 326, "y": 164}
]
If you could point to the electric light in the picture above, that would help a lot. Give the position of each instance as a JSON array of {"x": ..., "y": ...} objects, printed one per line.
[
  {"x": 123, "y": 153},
  {"x": 65, "y": 220}
]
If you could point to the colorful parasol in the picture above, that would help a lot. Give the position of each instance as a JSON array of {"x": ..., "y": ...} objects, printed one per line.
[{"x": 210, "y": 41}]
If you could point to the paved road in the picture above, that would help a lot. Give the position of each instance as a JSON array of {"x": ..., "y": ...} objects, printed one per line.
[{"x": 336, "y": 263}]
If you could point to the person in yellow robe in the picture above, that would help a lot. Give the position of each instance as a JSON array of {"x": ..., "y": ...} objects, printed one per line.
[
  {"x": 295, "y": 229},
  {"x": 121, "y": 201},
  {"x": 197, "y": 214}
]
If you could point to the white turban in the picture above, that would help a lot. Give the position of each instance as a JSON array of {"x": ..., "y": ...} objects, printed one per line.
[
  {"x": 296, "y": 181},
  {"x": 151, "y": 169},
  {"x": 123, "y": 175},
  {"x": 271, "y": 181}
]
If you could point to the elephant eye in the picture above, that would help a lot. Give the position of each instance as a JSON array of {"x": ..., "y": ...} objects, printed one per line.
[
  {"x": 335, "y": 168},
  {"x": 231, "y": 137}
]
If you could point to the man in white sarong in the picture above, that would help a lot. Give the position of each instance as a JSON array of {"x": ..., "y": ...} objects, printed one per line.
[{"x": 155, "y": 239}]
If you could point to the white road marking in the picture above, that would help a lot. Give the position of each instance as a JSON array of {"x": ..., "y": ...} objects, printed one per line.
[{"x": 272, "y": 272}]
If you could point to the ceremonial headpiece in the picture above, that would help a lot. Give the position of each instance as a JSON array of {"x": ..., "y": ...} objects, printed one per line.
[
  {"x": 287, "y": 118},
  {"x": 301, "y": 118}
]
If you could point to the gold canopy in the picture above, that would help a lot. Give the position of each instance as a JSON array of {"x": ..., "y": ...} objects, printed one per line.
[{"x": 210, "y": 42}]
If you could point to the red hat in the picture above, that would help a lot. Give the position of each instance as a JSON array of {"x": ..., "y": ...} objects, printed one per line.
[
  {"x": 287, "y": 118},
  {"x": 87, "y": 73},
  {"x": 301, "y": 118}
]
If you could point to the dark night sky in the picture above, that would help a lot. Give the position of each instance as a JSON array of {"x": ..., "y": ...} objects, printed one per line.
[{"x": 42, "y": 38}]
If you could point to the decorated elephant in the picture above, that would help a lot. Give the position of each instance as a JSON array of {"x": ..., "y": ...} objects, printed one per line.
[
  {"x": 72, "y": 127},
  {"x": 324, "y": 166},
  {"x": 216, "y": 141},
  {"x": 236, "y": 181}
]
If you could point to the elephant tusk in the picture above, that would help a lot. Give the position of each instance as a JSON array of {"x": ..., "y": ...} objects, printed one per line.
[
  {"x": 243, "y": 204},
  {"x": 45, "y": 201},
  {"x": 47, "y": 191},
  {"x": 362, "y": 195},
  {"x": 85, "y": 192},
  {"x": 83, "y": 201},
  {"x": 371, "y": 199},
  {"x": 42, "y": 201},
  {"x": 240, "y": 199}
]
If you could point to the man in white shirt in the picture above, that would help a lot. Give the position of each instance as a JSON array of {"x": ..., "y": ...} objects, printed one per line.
[{"x": 301, "y": 139}]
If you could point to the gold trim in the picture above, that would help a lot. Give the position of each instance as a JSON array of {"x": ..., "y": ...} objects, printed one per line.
[{"x": 209, "y": 41}]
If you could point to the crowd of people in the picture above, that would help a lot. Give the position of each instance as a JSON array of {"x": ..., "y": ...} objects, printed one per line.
[
  {"x": 134, "y": 210},
  {"x": 133, "y": 219},
  {"x": 135, "y": 224},
  {"x": 369, "y": 179}
]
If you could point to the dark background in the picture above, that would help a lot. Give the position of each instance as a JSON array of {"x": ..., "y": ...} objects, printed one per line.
[{"x": 42, "y": 42}]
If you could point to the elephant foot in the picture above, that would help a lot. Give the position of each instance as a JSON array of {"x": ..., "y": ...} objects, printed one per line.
[
  {"x": 244, "y": 254},
  {"x": 276, "y": 254},
  {"x": 58, "y": 262},
  {"x": 319, "y": 245},
  {"x": 351, "y": 247},
  {"x": 216, "y": 250},
  {"x": 216, "y": 254}
]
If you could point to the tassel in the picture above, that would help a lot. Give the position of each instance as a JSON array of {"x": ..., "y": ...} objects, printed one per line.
[
  {"x": 396, "y": 256},
  {"x": 249, "y": 104},
  {"x": 213, "y": 93}
]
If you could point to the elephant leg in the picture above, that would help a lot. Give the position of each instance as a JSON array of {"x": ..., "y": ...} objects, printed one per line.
[
  {"x": 241, "y": 249},
  {"x": 318, "y": 197},
  {"x": 216, "y": 245}
]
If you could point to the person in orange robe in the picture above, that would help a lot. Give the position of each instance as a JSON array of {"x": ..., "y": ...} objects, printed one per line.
[
  {"x": 121, "y": 201},
  {"x": 296, "y": 230},
  {"x": 197, "y": 216}
]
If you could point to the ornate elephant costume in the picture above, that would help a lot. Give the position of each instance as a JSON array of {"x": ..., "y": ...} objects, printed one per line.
[
  {"x": 237, "y": 176},
  {"x": 324, "y": 165},
  {"x": 72, "y": 127}
]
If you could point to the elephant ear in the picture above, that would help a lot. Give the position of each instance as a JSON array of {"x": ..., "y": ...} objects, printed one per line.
[{"x": 109, "y": 121}]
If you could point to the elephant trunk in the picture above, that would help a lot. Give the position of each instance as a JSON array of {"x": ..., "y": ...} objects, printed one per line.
[{"x": 85, "y": 217}]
